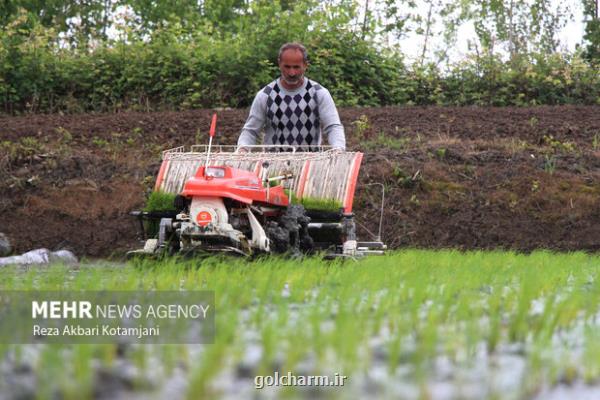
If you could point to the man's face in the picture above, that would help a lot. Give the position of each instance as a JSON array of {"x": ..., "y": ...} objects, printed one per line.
[{"x": 292, "y": 67}]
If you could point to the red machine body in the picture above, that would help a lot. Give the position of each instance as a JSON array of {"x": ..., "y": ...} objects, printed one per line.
[{"x": 236, "y": 184}]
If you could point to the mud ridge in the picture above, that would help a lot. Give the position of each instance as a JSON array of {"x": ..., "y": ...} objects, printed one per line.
[{"x": 466, "y": 178}]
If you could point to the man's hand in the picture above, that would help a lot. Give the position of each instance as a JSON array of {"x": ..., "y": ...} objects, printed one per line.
[{"x": 242, "y": 150}]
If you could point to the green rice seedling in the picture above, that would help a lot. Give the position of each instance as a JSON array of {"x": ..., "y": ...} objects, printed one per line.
[
  {"x": 106, "y": 353},
  {"x": 78, "y": 384},
  {"x": 518, "y": 327},
  {"x": 5, "y": 350},
  {"x": 425, "y": 352},
  {"x": 536, "y": 361},
  {"x": 213, "y": 357},
  {"x": 570, "y": 310},
  {"x": 293, "y": 344},
  {"x": 379, "y": 310},
  {"x": 18, "y": 354},
  {"x": 495, "y": 323},
  {"x": 208, "y": 366},
  {"x": 317, "y": 319},
  {"x": 269, "y": 342},
  {"x": 541, "y": 328},
  {"x": 404, "y": 309},
  {"x": 46, "y": 372},
  {"x": 140, "y": 358},
  {"x": 160, "y": 201},
  {"x": 474, "y": 335},
  {"x": 394, "y": 345},
  {"x": 548, "y": 368},
  {"x": 570, "y": 370},
  {"x": 591, "y": 355},
  {"x": 313, "y": 203},
  {"x": 351, "y": 325}
]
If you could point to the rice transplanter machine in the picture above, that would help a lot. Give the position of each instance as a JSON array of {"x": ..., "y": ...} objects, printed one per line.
[{"x": 266, "y": 200}]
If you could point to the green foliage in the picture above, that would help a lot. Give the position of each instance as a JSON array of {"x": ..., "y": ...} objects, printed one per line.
[
  {"x": 361, "y": 125},
  {"x": 181, "y": 55},
  {"x": 558, "y": 146},
  {"x": 549, "y": 163},
  {"x": 79, "y": 21},
  {"x": 405, "y": 180},
  {"x": 592, "y": 30},
  {"x": 385, "y": 141},
  {"x": 181, "y": 64},
  {"x": 18, "y": 152},
  {"x": 355, "y": 72},
  {"x": 532, "y": 80},
  {"x": 518, "y": 26},
  {"x": 160, "y": 201}
]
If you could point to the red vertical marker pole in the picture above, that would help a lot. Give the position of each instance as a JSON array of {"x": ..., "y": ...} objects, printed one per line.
[{"x": 213, "y": 127}]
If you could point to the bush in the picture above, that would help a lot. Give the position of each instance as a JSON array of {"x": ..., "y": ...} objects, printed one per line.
[{"x": 182, "y": 66}]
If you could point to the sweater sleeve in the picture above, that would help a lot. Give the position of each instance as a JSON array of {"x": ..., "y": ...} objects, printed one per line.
[
  {"x": 330, "y": 120},
  {"x": 251, "y": 132}
]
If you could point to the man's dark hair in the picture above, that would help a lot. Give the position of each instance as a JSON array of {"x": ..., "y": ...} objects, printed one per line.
[{"x": 293, "y": 46}]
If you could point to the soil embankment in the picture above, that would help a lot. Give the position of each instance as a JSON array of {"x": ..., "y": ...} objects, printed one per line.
[{"x": 469, "y": 178}]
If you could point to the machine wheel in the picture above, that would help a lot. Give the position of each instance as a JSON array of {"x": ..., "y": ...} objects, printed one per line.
[{"x": 290, "y": 233}]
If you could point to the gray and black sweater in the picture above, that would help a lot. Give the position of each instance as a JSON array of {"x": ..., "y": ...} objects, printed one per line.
[{"x": 293, "y": 117}]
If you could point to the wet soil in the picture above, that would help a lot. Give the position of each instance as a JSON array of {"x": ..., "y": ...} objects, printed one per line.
[{"x": 466, "y": 178}]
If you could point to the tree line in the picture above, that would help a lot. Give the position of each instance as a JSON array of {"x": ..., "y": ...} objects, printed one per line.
[{"x": 109, "y": 55}]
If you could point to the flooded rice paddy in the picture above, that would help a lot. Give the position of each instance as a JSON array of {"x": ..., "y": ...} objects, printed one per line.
[{"x": 413, "y": 324}]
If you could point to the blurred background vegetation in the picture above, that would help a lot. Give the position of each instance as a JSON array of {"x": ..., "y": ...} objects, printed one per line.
[{"x": 111, "y": 55}]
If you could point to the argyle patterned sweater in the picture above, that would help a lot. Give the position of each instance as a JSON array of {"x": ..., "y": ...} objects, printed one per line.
[{"x": 297, "y": 117}]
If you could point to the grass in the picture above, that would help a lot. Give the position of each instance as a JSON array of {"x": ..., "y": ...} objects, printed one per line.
[{"x": 403, "y": 313}]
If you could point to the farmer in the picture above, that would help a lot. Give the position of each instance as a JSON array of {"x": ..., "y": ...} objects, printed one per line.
[{"x": 293, "y": 109}]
